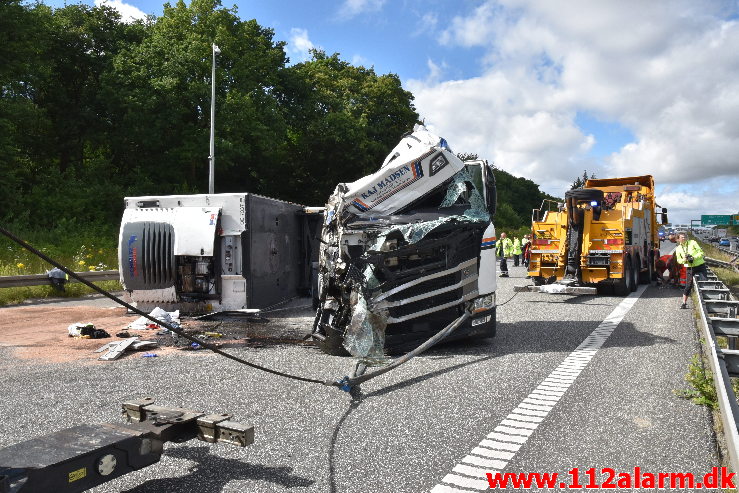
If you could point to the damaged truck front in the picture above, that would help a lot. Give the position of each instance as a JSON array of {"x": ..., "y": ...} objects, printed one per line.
[{"x": 407, "y": 251}]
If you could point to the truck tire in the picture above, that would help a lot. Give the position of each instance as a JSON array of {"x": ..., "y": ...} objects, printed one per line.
[
  {"x": 644, "y": 276},
  {"x": 634, "y": 276},
  {"x": 626, "y": 284}
]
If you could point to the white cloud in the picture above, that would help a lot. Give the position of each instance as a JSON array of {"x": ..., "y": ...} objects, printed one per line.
[
  {"x": 435, "y": 71},
  {"x": 358, "y": 60},
  {"x": 426, "y": 23},
  {"x": 299, "y": 45},
  {"x": 686, "y": 202},
  {"x": 352, "y": 8},
  {"x": 129, "y": 13},
  {"x": 668, "y": 72}
]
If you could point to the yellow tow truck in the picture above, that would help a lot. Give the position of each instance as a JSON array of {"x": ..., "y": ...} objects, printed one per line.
[{"x": 603, "y": 237}]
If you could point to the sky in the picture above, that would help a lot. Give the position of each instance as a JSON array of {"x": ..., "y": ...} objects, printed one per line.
[{"x": 548, "y": 89}]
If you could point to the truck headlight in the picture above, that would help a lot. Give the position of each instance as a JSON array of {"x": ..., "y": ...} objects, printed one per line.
[{"x": 484, "y": 303}]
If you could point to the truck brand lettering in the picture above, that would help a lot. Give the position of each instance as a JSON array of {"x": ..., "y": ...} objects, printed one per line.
[
  {"x": 390, "y": 185},
  {"x": 387, "y": 181},
  {"x": 132, "y": 256}
]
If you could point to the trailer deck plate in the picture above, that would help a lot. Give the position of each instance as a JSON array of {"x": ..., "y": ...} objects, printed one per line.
[{"x": 555, "y": 289}]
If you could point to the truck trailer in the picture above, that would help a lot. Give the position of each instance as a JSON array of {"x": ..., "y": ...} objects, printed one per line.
[{"x": 216, "y": 252}]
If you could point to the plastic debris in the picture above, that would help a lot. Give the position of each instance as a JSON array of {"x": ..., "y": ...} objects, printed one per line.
[
  {"x": 143, "y": 323},
  {"x": 149, "y": 355},
  {"x": 58, "y": 278},
  {"x": 86, "y": 331}
]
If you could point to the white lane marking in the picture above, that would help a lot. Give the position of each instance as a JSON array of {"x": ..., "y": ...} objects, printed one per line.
[
  {"x": 496, "y": 449},
  {"x": 465, "y": 482},
  {"x": 479, "y": 461},
  {"x": 502, "y": 437},
  {"x": 514, "y": 431},
  {"x": 493, "y": 454},
  {"x": 496, "y": 445},
  {"x": 440, "y": 488},
  {"x": 475, "y": 472},
  {"x": 526, "y": 405}
]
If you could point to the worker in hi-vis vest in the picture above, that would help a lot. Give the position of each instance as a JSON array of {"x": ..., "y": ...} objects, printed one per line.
[
  {"x": 504, "y": 249},
  {"x": 526, "y": 249},
  {"x": 516, "y": 251},
  {"x": 690, "y": 254}
]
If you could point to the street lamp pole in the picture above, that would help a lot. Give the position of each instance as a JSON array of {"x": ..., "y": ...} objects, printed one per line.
[{"x": 212, "y": 158}]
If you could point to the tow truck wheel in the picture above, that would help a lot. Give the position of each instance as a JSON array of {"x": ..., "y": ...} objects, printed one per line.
[
  {"x": 646, "y": 276},
  {"x": 624, "y": 286},
  {"x": 634, "y": 275}
]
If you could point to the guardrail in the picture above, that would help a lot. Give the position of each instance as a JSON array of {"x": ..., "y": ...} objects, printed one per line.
[
  {"x": 720, "y": 263},
  {"x": 719, "y": 312},
  {"x": 43, "y": 279}
]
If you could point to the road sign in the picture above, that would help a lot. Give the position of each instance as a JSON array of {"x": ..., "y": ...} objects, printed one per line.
[{"x": 713, "y": 220}]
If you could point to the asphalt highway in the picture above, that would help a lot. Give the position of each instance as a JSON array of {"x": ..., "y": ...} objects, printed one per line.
[{"x": 608, "y": 401}]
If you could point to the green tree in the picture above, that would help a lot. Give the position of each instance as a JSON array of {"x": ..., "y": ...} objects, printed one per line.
[
  {"x": 20, "y": 118},
  {"x": 343, "y": 120},
  {"x": 580, "y": 182},
  {"x": 164, "y": 94}
]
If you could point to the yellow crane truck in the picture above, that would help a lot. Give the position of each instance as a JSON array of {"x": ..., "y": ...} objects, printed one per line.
[{"x": 603, "y": 237}]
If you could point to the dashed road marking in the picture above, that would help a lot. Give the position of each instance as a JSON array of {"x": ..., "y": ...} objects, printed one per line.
[{"x": 494, "y": 452}]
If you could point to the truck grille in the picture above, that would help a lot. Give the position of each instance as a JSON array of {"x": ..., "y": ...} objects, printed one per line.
[
  {"x": 157, "y": 254},
  {"x": 147, "y": 255}
]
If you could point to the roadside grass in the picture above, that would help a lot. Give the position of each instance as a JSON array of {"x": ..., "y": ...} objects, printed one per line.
[
  {"x": 701, "y": 391},
  {"x": 88, "y": 251},
  {"x": 713, "y": 252},
  {"x": 728, "y": 277}
]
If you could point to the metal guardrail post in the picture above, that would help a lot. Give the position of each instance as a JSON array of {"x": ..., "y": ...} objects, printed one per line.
[
  {"x": 721, "y": 362},
  {"x": 43, "y": 279}
]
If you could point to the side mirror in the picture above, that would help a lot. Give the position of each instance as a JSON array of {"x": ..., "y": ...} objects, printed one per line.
[{"x": 488, "y": 180}]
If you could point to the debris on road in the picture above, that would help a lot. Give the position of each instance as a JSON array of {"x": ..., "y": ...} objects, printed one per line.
[
  {"x": 117, "y": 348},
  {"x": 143, "y": 323},
  {"x": 86, "y": 331}
]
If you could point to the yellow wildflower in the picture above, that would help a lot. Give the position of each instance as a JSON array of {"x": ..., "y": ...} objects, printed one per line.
[
  {"x": 20, "y": 265},
  {"x": 81, "y": 262}
]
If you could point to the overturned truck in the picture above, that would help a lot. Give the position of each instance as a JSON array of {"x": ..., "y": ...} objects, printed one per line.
[{"x": 405, "y": 251}]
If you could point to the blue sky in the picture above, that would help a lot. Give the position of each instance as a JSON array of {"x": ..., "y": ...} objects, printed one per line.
[{"x": 548, "y": 89}]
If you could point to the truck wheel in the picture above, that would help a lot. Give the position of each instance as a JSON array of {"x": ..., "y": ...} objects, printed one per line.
[
  {"x": 645, "y": 276},
  {"x": 634, "y": 275},
  {"x": 623, "y": 286}
]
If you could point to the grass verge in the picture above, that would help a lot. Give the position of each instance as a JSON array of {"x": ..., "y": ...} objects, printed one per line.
[{"x": 86, "y": 251}]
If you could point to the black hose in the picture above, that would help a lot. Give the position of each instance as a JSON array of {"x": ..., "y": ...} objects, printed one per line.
[
  {"x": 351, "y": 382},
  {"x": 177, "y": 331}
]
